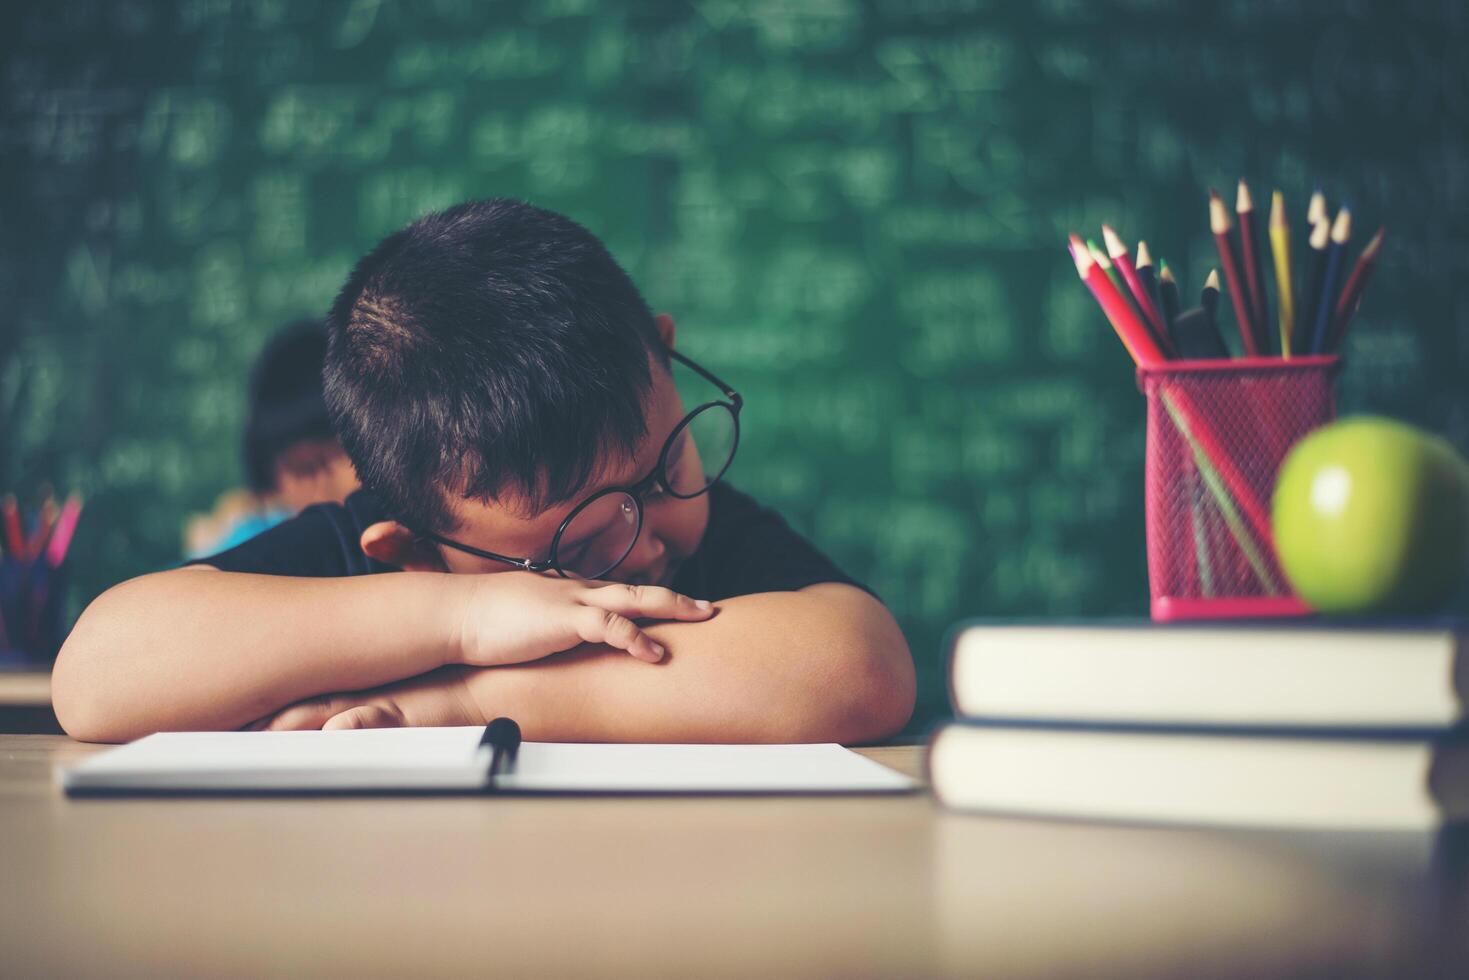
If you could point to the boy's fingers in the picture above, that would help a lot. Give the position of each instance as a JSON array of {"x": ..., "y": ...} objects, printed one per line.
[
  {"x": 647, "y": 602},
  {"x": 305, "y": 716},
  {"x": 365, "y": 716},
  {"x": 616, "y": 630}
]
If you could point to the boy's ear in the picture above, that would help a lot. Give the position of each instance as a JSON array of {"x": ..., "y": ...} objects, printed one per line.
[
  {"x": 665, "y": 329},
  {"x": 393, "y": 544}
]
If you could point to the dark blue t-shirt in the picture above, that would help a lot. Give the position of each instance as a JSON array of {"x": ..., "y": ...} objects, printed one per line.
[{"x": 747, "y": 549}]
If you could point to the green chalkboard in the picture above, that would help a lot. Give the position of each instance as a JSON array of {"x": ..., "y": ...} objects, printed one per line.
[{"x": 855, "y": 211}]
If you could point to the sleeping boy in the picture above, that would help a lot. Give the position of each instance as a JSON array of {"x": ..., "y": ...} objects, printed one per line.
[{"x": 562, "y": 546}]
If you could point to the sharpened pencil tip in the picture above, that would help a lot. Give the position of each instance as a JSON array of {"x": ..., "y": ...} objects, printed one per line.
[
  {"x": 1320, "y": 232},
  {"x": 1144, "y": 257},
  {"x": 1277, "y": 210},
  {"x": 1242, "y": 199},
  {"x": 1213, "y": 281},
  {"x": 1219, "y": 222},
  {"x": 1316, "y": 210},
  {"x": 1110, "y": 238},
  {"x": 1080, "y": 256}
]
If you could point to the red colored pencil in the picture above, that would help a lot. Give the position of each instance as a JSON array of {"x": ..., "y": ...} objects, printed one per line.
[
  {"x": 15, "y": 539},
  {"x": 1118, "y": 251},
  {"x": 1131, "y": 330},
  {"x": 65, "y": 528},
  {"x": 1351, "y": 294},
  {"x": 1250, "y": 253},
  {"x": 1220, "y": 224}
]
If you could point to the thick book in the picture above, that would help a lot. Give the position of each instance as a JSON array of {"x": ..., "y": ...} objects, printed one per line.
[
  {"x": 1251, "y": 674},
  {"x": 453, "y": 760},
  {"x": 1337, "y": 779}
]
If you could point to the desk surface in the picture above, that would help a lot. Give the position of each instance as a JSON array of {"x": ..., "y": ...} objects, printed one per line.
[{"x": 678, "y": 887}]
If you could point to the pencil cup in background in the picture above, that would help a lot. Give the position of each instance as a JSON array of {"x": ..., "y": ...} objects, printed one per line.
[
  {"x": 1217, "y": 434},
  {"x": 33, "y": 575},
  {"x": 33, "y": 604}
]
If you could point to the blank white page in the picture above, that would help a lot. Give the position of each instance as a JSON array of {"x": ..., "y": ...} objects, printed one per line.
[
  {"x": 652, "y": 768},
  {"x": 381, "y": 758},
  {"x": 448, "y": 758}
]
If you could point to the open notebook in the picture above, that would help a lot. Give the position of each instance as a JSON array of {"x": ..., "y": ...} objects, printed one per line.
[{"x": 450, "y": 760}]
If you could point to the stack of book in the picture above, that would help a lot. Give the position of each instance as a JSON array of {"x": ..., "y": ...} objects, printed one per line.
[{"x": 1302, "y": 725}]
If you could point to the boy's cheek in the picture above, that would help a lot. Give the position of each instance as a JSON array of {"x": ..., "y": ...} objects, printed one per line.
[
  {"x": 683, "y": 531},
  {"x": 694, "y": 524}
]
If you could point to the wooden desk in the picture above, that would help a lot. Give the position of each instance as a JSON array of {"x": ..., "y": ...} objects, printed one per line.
[{"x": 696, "y": 887}]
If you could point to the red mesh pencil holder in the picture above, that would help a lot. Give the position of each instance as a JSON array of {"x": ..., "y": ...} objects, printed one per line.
[{"x": 1217, "y": 434}]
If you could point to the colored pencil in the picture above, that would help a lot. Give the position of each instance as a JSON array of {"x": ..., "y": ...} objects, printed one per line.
[
  {"x": 15, "y": 539},
  {"x": 1341, "y": 233},
  {"x": 66, "y": 525},
  {"x": 1140, "y": 294},
  {"x": 1168, "y": 293},
  {"x": 1316, "y": 214},
  {"x": 1209, "y": 298},
  {"x": 1351, "y": 294},
  {"x": 1125, "y": 275},
  {"x": 1316, "y": 211},
  {"x": 1148, "y": 276},
  {"x": 1221, "y": 226},
  {"x": 1315, "y": 277},
  {"x": 1130, "y": 328},
  {"x": 45, "y": 521},
  {"x": 1284, "y": 286},
  {"x": 1100, "y": 258},
  {"x": 1251, "y": 255}
]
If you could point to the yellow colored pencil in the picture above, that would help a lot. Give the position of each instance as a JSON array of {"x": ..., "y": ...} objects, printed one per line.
[{"x": 1284, "y": 288}]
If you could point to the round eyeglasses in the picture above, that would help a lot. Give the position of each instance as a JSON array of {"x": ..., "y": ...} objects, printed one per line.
[{"x": 600, "y": 532}]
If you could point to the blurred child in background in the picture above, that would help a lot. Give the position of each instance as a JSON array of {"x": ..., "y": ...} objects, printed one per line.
[{"x": 292, "y": 458}]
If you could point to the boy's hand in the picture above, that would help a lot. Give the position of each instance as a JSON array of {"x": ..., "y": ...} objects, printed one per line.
[
  {"x": 437, "y": 699},
  {"x": 512, "y": 617},
  {"x": 508, "y": 618}
]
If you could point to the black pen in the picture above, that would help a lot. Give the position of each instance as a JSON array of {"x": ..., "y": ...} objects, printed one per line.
[{"x": 502, "y": 740}]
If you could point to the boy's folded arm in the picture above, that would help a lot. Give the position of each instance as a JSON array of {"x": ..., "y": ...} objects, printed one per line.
[
  {"x": 823, "y": 664},
  {"x": 200, "y": 649}
]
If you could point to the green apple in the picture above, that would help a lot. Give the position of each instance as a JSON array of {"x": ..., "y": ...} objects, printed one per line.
[{"x": 1372, "y": 515}]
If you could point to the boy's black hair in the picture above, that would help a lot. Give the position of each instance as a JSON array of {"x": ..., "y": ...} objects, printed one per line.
[
  {"x": 286, "y": 406},
  {"x": 493, "y": 350}
]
